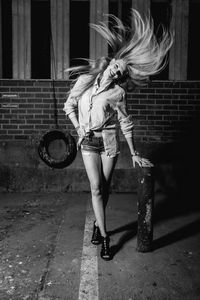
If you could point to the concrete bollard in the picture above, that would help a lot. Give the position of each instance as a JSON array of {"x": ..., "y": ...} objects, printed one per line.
[{"x": 145, "y": 201}]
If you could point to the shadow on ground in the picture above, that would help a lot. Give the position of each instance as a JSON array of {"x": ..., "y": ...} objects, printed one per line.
[{"x": 176, "y": 173}]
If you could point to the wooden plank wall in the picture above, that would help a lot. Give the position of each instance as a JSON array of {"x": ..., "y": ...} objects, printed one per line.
[
  {"x": 21, "y": 15},
  {"x": 60, "y": 38}
]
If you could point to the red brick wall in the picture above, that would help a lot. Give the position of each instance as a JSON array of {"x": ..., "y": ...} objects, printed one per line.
[{"x": 163, "y": 111}]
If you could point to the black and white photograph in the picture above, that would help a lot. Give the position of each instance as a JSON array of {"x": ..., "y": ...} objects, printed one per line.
[{"x": 99, "y": 150}]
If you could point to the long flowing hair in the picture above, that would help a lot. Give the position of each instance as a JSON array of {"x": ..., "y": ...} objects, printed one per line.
[{"x": 143, "y": 53}]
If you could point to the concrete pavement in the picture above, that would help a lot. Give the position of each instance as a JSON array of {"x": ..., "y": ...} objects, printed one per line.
[{"x": 42, "y": 241}]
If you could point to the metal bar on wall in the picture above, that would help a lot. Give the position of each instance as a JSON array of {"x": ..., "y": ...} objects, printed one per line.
[
  {"x": 1, "y": 66},
  {"x": 21, "y": 25},
  {"x": 15, "y": 38},
  {"x": 98, "y": 11},
  {"x": 60, "y": 38},
  {"x": 179, "y": 50},
  {"x": 105, "y": 18},
  {"x": 92, "y": 32},
  {"x": 27, "y": 44},
  {"x": 66, "y": 26}
]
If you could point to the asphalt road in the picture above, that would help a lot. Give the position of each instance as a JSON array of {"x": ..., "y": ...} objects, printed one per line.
[{"x": 46, "y": 252}]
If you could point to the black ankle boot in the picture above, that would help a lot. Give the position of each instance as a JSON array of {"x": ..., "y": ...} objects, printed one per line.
[
  {"x": 96, "y": 235},
  {"x": 105, "y": 250}
]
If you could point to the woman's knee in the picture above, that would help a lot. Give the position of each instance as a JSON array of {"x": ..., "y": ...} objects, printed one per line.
[{"x": 95, "y": 189}]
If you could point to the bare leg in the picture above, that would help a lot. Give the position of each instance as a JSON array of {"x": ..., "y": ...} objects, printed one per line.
[
  {"x": 108, "y": 165},
  {"x": 92, "y": 162}
]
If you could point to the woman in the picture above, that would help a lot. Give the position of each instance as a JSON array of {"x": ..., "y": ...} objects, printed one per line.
[{"x": 100, "y": 98}]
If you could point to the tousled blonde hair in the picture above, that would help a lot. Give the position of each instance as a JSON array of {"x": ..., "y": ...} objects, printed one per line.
[{"x": 143, "y": 53}]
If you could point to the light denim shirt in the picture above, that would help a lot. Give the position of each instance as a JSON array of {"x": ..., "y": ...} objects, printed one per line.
[{"x": 101, "y": 109}]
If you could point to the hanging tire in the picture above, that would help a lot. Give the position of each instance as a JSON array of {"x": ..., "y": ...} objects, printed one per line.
[{"x": 70, "y": 149}]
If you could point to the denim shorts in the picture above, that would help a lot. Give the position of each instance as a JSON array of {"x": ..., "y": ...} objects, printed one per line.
[{"x": 93, "y": 144}]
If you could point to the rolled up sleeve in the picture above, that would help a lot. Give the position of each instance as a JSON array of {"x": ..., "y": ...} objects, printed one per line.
[
  {"x": 72, "y": 101},
  {"x": 70, "y": 105},
  {"x": 125, "y": 120}
]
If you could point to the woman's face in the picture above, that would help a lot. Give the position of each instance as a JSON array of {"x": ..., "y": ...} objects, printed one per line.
[{"x": 115, "y": 69}]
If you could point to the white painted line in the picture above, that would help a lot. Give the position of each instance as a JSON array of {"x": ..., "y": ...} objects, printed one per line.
[{"x": 88, "y": 289}]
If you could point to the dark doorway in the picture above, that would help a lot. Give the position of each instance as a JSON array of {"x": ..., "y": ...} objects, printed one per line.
[{"x": 40, "y": 39}]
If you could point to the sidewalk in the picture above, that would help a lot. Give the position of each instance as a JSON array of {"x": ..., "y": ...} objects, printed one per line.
[{"x": 41, "y": 247}]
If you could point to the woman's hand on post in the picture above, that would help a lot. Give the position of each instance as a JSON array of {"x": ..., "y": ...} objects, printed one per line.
[{"x": 142, "y": 162}]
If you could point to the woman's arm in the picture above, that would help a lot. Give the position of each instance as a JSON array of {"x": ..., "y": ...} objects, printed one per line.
[
  {"x": 74, "y": 120},
  {"x": 71, "y": 103},
  {"x": 136, "y": 158},
  {"x": 127, "y": 125},
  {"x": 70, "y": 108},
  {"x": 79, "y": 131},
  {"x": 131, "y": 145},
  {"x": 73, "y": 98}
]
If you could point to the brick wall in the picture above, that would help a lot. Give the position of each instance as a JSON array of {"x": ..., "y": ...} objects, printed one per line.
[
  {"x": 166, "y": 130},
  {"x": 163, "y": 111}
]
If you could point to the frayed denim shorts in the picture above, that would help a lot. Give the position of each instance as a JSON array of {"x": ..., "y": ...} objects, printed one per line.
[{"x": 93, "y": 144}]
